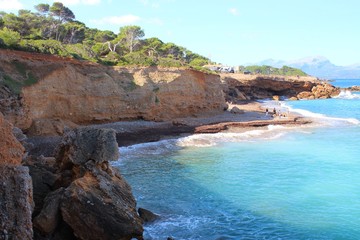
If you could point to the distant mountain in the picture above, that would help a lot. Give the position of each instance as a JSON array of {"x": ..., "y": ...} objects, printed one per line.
[{"x": 317, "y": 66}]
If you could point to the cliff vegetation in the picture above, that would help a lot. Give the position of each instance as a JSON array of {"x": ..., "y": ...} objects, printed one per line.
[{"x": 53, "y": 29}]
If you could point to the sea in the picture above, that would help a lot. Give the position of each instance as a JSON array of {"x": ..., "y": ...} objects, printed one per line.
[{"x": 275, "y": 182}]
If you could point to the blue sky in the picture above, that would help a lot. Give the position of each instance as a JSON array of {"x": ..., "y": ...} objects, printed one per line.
[{"x": 231, "y": 32}]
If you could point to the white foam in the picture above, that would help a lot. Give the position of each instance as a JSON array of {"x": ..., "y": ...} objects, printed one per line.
[
  {"x": 325, "y": 119},
  {"x": 346, "y": 94},
  {"x": 208, "y": 140},
  {"x": 150, "y": 148}
]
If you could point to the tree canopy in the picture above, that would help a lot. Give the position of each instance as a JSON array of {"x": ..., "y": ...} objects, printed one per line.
[{"x": 53, "y": 29}]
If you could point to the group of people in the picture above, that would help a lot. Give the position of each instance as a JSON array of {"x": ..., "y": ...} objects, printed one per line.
[{"x": 275, "y": 113}]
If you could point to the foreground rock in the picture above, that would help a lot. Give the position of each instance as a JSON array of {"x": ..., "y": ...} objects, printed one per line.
[
  {"x": 16, "y": 201},
  {"x": 90, "y": 200}
]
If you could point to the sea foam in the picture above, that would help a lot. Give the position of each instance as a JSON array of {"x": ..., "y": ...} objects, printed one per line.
[{"x": 346, "y": 94}]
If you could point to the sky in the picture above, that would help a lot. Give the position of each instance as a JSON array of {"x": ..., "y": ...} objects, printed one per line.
[{"x": 231, "y": 32}]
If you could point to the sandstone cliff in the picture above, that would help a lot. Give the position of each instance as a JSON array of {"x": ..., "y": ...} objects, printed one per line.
[
  {"x": 254, "y": 87},
  {"x": 45, "y": 95},
  {"x": 88, "y": 93}
]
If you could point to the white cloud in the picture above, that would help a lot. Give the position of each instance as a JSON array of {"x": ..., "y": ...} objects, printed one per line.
[
  {"x": 234, "y": 11},
  {"x": 118, "y": 20},
  {"x": 7, "y": 5}
]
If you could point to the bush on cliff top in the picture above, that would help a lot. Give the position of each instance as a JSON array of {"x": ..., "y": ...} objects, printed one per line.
[{"x": 54, "y": 30}]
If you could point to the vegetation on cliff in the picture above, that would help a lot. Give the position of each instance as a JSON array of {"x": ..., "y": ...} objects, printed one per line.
[
  {"x": 268, "y": 70},
  {"x": 54, "y": 30}
]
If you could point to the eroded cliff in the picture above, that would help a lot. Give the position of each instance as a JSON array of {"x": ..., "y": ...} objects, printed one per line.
[
  {"x": 88, "y": 93},
  {"x": 45, "y": 94}
]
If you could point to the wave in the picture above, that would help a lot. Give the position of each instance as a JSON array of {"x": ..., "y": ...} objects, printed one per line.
[
  {"x": 151, "y": 148},
  {"x": 327, "y": 120},
  {"x": 199, "y": 140},
  {"x": 346, "y": 94},
  {"x": 208, "y": 140}
]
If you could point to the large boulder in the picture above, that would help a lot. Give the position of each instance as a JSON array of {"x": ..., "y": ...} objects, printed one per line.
[
  {"x": 96, "y": 202},
  {"x": 84, "y": 144},
  {"x": 325, "y": 91},
  {"x": 101, "y": 206}
]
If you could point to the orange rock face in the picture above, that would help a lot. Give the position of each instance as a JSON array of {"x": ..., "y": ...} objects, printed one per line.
[
  {"x": 11, "y": 151},
  {"x": 83, "y": 92}
]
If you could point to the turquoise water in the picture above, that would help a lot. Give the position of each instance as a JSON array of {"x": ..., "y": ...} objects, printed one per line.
[{"x": 268, "y": 183}]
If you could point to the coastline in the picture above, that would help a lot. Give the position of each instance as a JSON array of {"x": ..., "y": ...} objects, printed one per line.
[{"x": 249, "y": 114}]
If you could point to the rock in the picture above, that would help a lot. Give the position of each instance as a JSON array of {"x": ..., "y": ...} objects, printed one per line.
[
  {"x": 276, "y": 98},
  {"x": 49, "y": 217},
  {"x": 84, "y": 144},
  {"x": 353, "y": 88},
  {"x": 293, "y": 99},
  {"x": 18, "y": 134},
  {"x": 43, "y": 177},
  {"x": 100, "y": 206},
  {"x": 306, "y": 95},
  {"x": 97, "y": 202},
  {"x": 11, "y": 151},
  {"x": 50, "y": 127},
  {"x": 16, "y": 203},
  {"x": 147, "y": 215},
  {"x": 325, "y": 91},
  {"x": 236, "y": 110}
]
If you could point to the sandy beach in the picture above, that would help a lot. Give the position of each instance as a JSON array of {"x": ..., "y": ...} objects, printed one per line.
[{"x": 248, "y": 114}]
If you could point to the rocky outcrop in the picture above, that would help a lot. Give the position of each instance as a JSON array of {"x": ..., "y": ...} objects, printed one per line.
[
  {"x": 241, "y": 87},
  {"x": 83, "y": 92},
  {"x": 16, "y": 203},
  {"x": 353, "y": 88},
  {"x": 11, "y": 151},
  {"x": 87, "y": 199}
]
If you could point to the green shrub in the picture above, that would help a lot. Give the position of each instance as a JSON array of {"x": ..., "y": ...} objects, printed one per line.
[{"x": 9, "y": 37}]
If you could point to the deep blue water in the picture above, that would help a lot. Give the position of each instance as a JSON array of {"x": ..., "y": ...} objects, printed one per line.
[{"x": 268, "y": 183}]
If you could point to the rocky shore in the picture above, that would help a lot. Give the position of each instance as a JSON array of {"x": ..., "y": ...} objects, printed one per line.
[{"x": 59, "y": 133}]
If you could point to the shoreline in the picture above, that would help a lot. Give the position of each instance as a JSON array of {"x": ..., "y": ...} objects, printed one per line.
[{"x": 249, "y": 114}]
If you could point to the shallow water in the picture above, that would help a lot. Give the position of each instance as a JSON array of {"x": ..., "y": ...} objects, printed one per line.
[{"x": 269, "y": 183}]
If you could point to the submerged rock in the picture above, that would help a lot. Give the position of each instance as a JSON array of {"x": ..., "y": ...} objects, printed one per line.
[{"x": 147, "y": 215}]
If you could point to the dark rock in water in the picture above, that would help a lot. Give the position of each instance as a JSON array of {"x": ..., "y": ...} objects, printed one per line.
[
  {"x": 16, "y": 203},
  {"x": 84, "y": 144},
  {"x": 147, "y": 215}
]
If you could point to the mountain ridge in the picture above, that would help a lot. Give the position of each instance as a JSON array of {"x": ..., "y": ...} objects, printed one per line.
[{"x": 318, "y": 66}]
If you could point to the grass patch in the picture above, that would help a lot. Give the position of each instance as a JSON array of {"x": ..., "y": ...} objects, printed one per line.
[
  {"x": 13, "y": 85},
  {"x": 16, "y": 85}
]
